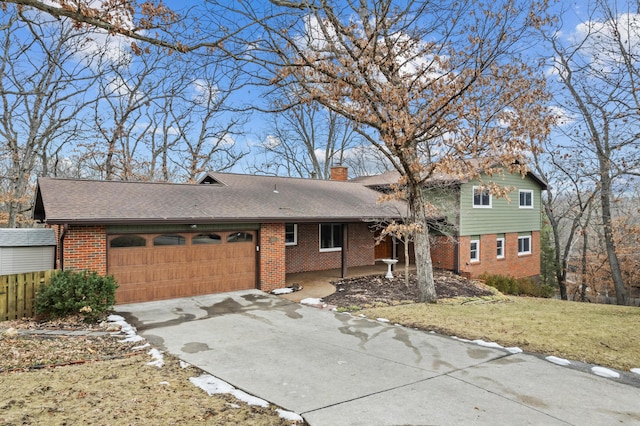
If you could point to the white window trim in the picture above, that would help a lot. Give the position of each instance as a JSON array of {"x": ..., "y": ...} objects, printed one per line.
[
  {"x": 530, "y": 192},
  {"x": 527, "y": 237},
  {"x": 477, "y": 258},
  {"x": 473, "y": 198},
  {"x": 295, "y": 235},
  {"x": 325, "y": 250},
  {"x": 501, "y": 256}
]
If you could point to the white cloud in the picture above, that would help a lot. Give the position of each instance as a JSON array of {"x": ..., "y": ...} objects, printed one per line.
[
  {"x": 205, "y": 91},
  {"x": 97, "y": 42},
  {"x": 602, "y": 39},
  {"x": 317, "y": 35},
  {"x": 271, "y": 142},
  {"x": 562, "y": 116}
]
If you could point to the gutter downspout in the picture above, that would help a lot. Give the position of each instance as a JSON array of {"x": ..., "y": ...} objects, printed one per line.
[{"x": 65, "y": 227}]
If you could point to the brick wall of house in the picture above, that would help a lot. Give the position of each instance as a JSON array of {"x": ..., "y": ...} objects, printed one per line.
[
  {"x": 85, "y": 247},
  {"x": 518, "y": 266},
  {"x": 306, "y": 255},
  {"x": 443, "y": 253},
  {"x": 272, "y": 256}
]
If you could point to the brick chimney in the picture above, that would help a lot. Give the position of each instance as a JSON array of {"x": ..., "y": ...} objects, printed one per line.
[{"x": 340, "y": 173}]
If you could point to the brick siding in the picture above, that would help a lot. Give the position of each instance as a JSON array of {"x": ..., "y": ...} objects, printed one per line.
[
  {"x": 306, "y": 255},
  {"x": 443, "y": 253},
  {"x": 85, "y": 248},
  {"x": 272, "y": 256},
  {"x": 517, "y": 266}
]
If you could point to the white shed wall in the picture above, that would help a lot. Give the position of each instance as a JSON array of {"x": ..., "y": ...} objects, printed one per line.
[{"x": 15, "y": 260}]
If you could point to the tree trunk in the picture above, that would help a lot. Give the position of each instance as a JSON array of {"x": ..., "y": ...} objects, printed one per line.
[
  {"x": 406, "y": 262},
  {"x": 561, "y": 262},
  {"x": 424, "y": 266},
  {"x": 612, "y": 255},
  {"x": 583, "y": 281}
]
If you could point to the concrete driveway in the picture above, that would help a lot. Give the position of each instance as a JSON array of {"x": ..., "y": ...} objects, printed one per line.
[{"x": 335, "y": 369}]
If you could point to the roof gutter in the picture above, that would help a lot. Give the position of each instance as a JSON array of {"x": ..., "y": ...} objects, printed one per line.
[{"x": 203, "y": 221}]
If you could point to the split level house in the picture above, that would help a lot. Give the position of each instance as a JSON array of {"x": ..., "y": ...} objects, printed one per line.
[{"x": 233, "y": 231}]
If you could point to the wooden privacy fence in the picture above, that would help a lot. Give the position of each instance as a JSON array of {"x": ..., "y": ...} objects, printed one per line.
[{"x": 18, "y": 294}]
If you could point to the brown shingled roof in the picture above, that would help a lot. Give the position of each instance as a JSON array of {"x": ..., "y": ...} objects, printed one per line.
[
  {"x": 393, "y": 176},
  {"x": 242, "y": 198}
]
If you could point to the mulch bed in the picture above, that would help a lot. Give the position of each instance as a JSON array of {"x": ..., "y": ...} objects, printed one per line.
[
  {"x": 35, "y": 351},
  {"x": 377, "y": 290}
]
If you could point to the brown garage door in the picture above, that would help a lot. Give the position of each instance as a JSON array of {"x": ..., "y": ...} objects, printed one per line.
[{"x": 164, "y": 266}]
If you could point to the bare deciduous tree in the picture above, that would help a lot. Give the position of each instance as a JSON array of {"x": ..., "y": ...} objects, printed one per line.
[
  {"x": 597, "y": 75},
  {"x": 42, "y": 85},
  {"x": 305, "y": 141},
  {"x": 567, "y": 204},
  {"x": 430, "y": 85}
]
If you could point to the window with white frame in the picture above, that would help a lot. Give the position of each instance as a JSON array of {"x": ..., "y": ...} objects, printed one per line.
[
  {"x": 500, "y": 248},
  {"x": 330, "y": 237},
  {"x": 474, "y": 251},
  {"x": 524, "y": 244},
  {"x": 290, "y": 234},
  {"x": 526, "y": 199},
  {"x": 481, "y": 197}
]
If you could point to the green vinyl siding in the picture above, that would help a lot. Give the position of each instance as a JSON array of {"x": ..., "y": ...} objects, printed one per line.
[
  {"x": 443, "y": 202},
  {"x": 504, "y": 215}
]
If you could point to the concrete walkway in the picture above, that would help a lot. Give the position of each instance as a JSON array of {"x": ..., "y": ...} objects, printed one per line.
[
  {"x": 335, "y": 369},
  {"x": 317, "y": 284}
]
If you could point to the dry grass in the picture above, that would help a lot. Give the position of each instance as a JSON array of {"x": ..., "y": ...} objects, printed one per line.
[
  {"x": 605, "y": 335},
  {"x": 123, "y": 391},
  {"x": 66, "y": 380}
]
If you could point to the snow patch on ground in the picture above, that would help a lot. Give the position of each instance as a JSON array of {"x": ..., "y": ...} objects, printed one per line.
[
  {"x": 482, "y": 343},
  {"x": 137, "y": 348},
  {"x": 312, "y": 301},
  {"x": 289, "y": 415},
  {"x": 605, "y": 372},
  {"x": 635, "y": 370},
  {"x": 382, "y": 320},
  {"x": 559, "y": 361},
  {"x": 157, "y": 357},
  {"x": 126, "y": 328},
  {"x": 285, "y": 290},
  {"x": 493, "y": 345},
  {"x": 212, "y": 385}
]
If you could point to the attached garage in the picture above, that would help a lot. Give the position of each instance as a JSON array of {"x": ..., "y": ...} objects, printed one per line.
[{"x": 168, "y": 265}]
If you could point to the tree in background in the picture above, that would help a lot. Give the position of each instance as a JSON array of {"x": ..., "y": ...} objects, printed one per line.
[
  {"x": 595, "y": 81},
  {"x": 435, "y": 87},
  {"x": 305, "y": 141},
  {"x": 567, "y": 203},
  {"x": 81, "y": 102},
  {"x": 548, "y": 265},
  {"x": 44, "y": 88}
]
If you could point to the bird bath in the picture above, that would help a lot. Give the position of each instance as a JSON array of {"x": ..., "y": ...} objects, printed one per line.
[{"x": 390, "y": 263}]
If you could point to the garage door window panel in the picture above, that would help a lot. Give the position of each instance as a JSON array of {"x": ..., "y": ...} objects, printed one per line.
[
  {"x": 169, "y": 240},
  {"x": 206, "y": 239},
  {"x": 240, "y": 237},
  {"x": 124, "y": 241}
]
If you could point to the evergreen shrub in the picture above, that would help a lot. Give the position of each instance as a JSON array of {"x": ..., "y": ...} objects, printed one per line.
[
  {"x": 507, "y": 284},
  {"x": 77, "y": 292}
]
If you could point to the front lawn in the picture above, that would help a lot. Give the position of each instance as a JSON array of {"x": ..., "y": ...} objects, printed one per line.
[{"x": 605, "y": 335}]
